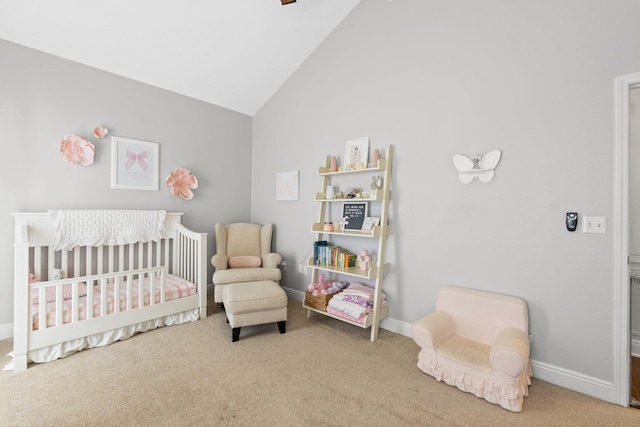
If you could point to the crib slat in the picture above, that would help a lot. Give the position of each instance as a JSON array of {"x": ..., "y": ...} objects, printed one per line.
[
  {"x": 167, "y": 254},
  {"x": 152, "y": 287},
  {"x": 51, "y": 255},
  {"x": 88, "y": 261},
  {"x": 111, "y": 251},
  {"x": 59, "y": 310},
  {"x": 177, "y": 249},
  {"x": 42, "y": 309},
  {"x": 163, "y": 286},
  {"x": 185, "y": 253},
  {"x": 121, "y": 265},
  {"x": 89, "y": 304},
  {"x": 185, "y": 256},
  {"x": 100, "y": 260},
  {"x": 129, "y": 292},
  {"x": 37, "y": 260},
  {"x": 192, "y": 256},
  {"x": 140, "y": 265},
  {"x": 64, "y": 261},
  {"x": 74, "y": 302},
  {"x": 116, "y": 294},
  {"x": 103, "y": 297},
  {"x": 149, "y": 254},
  {"x": 140, "y": 290},
  {"x": 129, "y": 265},
  {"x": 76, "y": 263}
]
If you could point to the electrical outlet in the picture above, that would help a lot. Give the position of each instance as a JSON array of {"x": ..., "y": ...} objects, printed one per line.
[
  {"x": 284, "y": 264},
  {"x": 300, "y": 268},
  {"x": 594, "y": 224}
]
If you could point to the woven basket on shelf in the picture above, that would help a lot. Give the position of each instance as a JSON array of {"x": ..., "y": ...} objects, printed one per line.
[{"x": 319, "y": 302}]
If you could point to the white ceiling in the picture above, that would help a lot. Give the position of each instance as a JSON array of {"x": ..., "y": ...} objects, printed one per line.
[{"x": 232, "y": 53}]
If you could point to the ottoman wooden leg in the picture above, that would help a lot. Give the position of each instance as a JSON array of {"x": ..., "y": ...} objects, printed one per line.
[
  {"x": 282, "y": 326},
  {"x": 235, "y": 334}
]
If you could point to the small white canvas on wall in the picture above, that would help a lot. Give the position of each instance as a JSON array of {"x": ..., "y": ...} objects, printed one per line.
[{"x": 287, "y": 186}]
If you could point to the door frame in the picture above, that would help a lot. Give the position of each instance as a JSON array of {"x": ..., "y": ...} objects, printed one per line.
[{"x": 622, "y": 293}]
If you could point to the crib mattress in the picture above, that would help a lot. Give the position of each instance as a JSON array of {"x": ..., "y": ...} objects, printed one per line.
[{"x": 175, "y": 288}]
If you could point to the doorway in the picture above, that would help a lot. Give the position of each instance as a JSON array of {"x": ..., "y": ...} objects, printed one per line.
[
  {"x": 622, "y": 294},
  {"x": 634, "y": 240}
]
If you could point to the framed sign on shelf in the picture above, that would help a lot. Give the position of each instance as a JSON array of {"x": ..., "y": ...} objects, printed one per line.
[
  {"x": 355, "y": 214},
  {"x": 134, "y": 164},
  {"x": 356, "y": 154},
  {"x": 369, "y": 223}
]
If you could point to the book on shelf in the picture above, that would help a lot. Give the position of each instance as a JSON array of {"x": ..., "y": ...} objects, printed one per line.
[
  {"x": 316, "y": 251},
  {"x": 332, "y": 256}
]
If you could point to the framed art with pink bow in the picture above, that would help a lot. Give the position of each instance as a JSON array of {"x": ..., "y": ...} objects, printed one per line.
[{"x": 134, "y": 164}]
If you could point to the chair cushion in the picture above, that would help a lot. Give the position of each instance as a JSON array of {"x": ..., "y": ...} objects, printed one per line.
[
  {"x": 254, "y": 296},
  {"x": 245, "y": 261},
  {"x": 466, "y": 352},
  {"x": 234, "y": 275}
]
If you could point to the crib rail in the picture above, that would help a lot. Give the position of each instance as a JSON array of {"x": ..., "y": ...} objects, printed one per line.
[
  {"x": 108, "y": 287},
  {"x": 47, "y": 263}
]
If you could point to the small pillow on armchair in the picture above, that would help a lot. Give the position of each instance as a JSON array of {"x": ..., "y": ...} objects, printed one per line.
[{"x": 245, "y": 261}]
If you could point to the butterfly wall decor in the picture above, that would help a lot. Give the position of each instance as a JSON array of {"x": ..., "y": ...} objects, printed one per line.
[{"x": 481, "y": 167}]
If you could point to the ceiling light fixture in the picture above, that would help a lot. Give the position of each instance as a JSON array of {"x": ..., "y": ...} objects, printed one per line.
[{"x": 287, "y": 1}]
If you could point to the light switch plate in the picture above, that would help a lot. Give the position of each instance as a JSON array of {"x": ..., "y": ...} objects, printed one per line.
[{"x": 594, "y": 224}]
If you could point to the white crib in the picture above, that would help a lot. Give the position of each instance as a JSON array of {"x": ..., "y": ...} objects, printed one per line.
[{"x": 107, "y": 293}]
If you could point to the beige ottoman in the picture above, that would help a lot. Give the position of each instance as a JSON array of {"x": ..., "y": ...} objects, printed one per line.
[{"x": 255, "y": 303}]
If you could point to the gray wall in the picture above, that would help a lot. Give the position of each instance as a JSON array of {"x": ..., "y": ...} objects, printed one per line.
[
  {"x": 439, "y": 78},
  {"x": 43, "y": 98}
]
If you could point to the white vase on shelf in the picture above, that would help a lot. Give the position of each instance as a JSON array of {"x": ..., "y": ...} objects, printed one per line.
[{"x": 330, "y": 192}]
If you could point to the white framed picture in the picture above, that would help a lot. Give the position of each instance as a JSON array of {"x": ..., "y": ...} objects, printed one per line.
[
  {"x": 134, "y": 164},
  {"x": 369, "y": 223},
  {"x": 287, "y": 186},
  {"x": 356, "y": 154}
]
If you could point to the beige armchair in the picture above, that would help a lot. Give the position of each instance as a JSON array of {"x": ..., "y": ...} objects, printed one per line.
[
  {"x": 243, "y": 254},
  {"x": 477, "y": 341}
]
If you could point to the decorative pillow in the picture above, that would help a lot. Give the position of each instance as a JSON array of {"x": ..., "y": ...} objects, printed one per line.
[
  {"x": 245, "y": 261},
  {"x": 66, "y": 292}
]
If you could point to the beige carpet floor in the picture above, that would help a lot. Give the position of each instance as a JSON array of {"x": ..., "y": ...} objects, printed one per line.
[{"x": 322, "y": 372}]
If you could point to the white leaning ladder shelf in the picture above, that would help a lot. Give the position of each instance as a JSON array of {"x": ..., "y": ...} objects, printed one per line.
[{"x": 375, "y": 272}]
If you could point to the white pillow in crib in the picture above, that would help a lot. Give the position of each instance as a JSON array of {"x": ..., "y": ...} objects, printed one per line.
[
  {"x": 245, "y": 261},
  {"x": 66, "y": 292}
]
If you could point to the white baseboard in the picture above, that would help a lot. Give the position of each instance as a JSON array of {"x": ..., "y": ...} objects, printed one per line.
[
  {"x": 575, "y": 381},
  {"x": 6, "y": 331}
]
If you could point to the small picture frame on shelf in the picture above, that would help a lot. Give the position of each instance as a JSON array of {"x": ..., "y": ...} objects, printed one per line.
[
  {"x": 369, "y": 223},
  {"x": 355, "y": 214},
  {"x": 356, "y": 154}
]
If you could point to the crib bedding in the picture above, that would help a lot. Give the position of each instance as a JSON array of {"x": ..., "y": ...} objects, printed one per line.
[{"x": 175, "y": 287}]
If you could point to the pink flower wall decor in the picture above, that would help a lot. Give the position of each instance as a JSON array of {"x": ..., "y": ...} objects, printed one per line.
[
  {"x": 77, "y": 150},
  {"x": 181, "y": 182},
  {"x": 100, "y": 132}
]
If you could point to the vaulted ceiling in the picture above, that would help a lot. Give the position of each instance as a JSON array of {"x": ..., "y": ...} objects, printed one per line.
[{"x": 232, "y": 53}]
